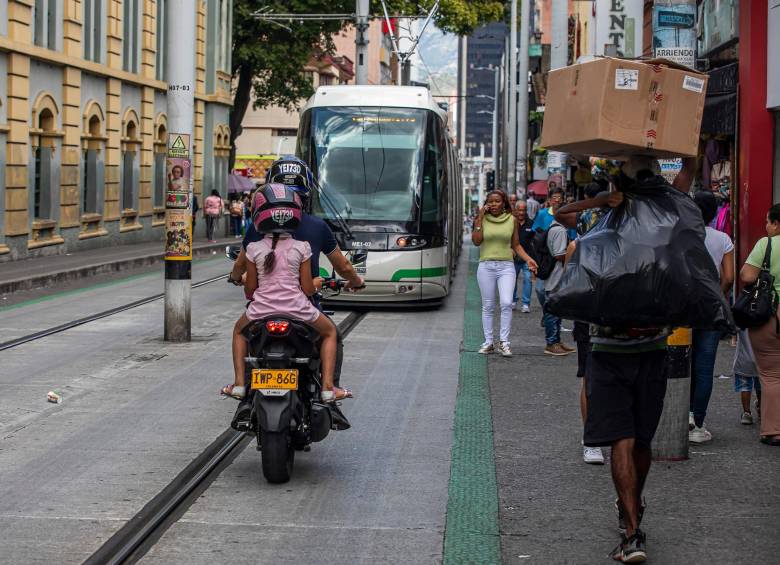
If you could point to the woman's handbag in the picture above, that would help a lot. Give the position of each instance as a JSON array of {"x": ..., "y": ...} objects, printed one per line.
[{"x": 757, "y": 303}]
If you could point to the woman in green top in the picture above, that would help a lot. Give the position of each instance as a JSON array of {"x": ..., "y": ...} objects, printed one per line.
[
  {"x": 765, "y": 339},
  {"x": 495, "y": 233}
]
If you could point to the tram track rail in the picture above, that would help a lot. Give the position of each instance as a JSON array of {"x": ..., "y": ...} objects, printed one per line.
[
  {"x": 93, "y": 317},
  {"x": 133, "y": 540}
]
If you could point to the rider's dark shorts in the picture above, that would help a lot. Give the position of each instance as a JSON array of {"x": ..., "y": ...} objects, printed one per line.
[{"x": 625, "y": 396}]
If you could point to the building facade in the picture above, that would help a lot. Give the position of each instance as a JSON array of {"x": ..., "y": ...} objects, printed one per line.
[{"x": 83, "y": 127}]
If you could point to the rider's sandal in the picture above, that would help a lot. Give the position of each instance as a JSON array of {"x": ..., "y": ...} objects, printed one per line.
[
  {"x": 335, "y": 395},
  {"x": 234, "y": 391}
]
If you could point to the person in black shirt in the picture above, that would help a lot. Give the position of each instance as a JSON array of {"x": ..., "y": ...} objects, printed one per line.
[{"x": 525, "y": 235}]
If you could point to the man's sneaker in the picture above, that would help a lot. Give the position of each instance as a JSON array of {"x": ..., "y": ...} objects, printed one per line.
[
  {"x": 699, "y": 435},
  {"x": 622, "y": 517},
  {"x": 592, "y": 455},
  {"x": 486, "y": 348},
  {"x": 746, "y": 419},
  {"x": 567, "y": 348},
  {"x": 556, "y": 349},
  {"x": 503, "y": 349},
  {"x": 525, "y": 308},
  {"x": 631, "y": 550}
]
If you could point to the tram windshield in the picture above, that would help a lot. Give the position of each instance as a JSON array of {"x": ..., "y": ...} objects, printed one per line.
[{"x": 369, "y": 161}]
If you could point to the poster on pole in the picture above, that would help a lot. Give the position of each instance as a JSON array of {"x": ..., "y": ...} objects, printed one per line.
[
  {"x": 674, "y": 32},
  {"x": 178, "y": 199},
  {"x": 620, "y": 23}
]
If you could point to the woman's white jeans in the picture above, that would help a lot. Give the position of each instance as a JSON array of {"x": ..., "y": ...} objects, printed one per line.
[{"x": 492, "y": 274}]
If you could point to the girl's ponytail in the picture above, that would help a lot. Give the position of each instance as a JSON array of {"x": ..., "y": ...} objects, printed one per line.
[{"x": 270, "y": 259}]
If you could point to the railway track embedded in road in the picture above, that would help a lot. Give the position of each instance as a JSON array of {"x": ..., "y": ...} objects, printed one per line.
[
  {"x": 105, "y": 314},
  {"x": 131, "y": 542}
]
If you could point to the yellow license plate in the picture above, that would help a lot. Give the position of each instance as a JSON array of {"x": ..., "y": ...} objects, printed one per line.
[{"x": 284, "y": 379}]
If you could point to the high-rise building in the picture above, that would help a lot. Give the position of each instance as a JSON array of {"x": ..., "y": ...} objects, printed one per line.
[{"x": 485, "y": 48}]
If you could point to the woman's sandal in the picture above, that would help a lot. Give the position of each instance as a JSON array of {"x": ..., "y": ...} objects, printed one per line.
[
  {"x": 336, "y": 394},
  {"x": 234, "y": 391}
]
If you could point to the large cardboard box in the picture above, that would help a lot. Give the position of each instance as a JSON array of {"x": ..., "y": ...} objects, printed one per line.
[{"x": 614, "y": 108}]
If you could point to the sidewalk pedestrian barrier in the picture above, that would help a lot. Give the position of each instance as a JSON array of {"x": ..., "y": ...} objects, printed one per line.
[{"x": 671, "y": 438}]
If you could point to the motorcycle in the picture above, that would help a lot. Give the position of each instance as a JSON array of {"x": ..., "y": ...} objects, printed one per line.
[{"x": 283, "y": 389}]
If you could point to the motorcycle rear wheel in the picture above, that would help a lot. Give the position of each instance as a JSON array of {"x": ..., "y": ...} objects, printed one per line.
[{"x": 278, "y": 456}]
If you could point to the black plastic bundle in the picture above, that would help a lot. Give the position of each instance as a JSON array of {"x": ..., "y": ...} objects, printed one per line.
[{"x": 644, "y": 265}]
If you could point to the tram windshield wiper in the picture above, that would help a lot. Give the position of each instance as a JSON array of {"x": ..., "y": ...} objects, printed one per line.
[{"x": 337, "y": 217}]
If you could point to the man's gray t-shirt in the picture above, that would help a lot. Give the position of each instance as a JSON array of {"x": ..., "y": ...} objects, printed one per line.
[{"x": 557, "y": 242}]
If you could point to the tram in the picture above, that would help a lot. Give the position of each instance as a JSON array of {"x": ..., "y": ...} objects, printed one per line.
[{"x": 390, "y": 188}]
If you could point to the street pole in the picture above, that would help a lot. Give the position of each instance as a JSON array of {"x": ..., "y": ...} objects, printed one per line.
[
  {"x": 522, "y": 102},
  {"x": 180, "y": 69},
  {"x": 361, "y": 41},
  {"x": 494, "y": 137},
  {"x": 511, "y": 170},
  {"x": 462, "y": 91},
  {"x": 505, "y": 114},
  {"x": 559, "y": 54}
]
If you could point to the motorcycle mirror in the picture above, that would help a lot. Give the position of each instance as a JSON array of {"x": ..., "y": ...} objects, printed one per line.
[{"x": 232, "y": 252}]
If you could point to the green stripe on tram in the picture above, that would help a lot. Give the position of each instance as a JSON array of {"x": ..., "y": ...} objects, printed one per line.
[
  {"x": 427, "y": 272},
  {"x": 324, "y": 273},
  {"x": 471, "y": 534}
]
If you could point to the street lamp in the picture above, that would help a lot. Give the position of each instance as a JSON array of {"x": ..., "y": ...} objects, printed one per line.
[{"x": 494, "y": 98}]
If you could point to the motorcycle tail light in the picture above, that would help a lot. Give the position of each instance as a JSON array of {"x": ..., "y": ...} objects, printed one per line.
[{"x": 277, "y": 327}]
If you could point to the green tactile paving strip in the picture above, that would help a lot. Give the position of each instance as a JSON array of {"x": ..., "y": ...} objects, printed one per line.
[{"x": 471, "y": 534}]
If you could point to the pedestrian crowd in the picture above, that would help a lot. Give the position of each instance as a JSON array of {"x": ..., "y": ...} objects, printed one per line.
[{"x": 530, "y": 247}]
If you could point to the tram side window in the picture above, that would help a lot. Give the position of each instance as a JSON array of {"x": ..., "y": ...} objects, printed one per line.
[{"x": 433, "y": 172}]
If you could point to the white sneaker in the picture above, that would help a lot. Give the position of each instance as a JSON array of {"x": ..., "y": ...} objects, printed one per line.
[
  {"x": 525, "y": 309},
  {"x": 503, "y": 349},
  {"x": 699, "y": 435},
  {"x": 592, "y": 455},
  {"x": 486, "y": 348},
  {"x": 747, "y": 419},
  {"x": 691, "y": 423}
]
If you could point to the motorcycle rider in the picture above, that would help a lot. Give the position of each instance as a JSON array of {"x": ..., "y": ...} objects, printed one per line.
[{"x": 295, "y": 173}]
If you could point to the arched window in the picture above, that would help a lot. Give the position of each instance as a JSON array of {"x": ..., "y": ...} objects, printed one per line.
[
  {"x": 160, "y": 150},
  {"x": 92, "y": 165},
  {"x": 44, "y": 141},
  {"x": 130, "y": 147}
]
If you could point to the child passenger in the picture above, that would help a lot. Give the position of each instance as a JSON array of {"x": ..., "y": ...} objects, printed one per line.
[{"x": 279, "y": 279}]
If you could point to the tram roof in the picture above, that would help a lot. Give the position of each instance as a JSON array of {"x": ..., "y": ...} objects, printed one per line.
[{"x": 375, "y": 95}]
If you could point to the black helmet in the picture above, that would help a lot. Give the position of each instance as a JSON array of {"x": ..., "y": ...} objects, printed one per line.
[
  {"x": 293, "y": 172},
  {"x": 276, "y": 209}
]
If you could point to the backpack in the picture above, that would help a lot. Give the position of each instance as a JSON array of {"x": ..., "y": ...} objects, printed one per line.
[
  {"x": 236, "y": 208},
  {"x": 540, "y": 253}
]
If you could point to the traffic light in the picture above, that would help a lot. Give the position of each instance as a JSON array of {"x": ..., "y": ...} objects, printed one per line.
[{"x": 491, "y": 180}]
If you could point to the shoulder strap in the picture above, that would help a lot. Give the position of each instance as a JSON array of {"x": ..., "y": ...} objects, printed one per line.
[{"x": 767, "y": 254}]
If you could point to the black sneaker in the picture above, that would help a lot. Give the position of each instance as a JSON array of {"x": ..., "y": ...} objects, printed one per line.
[
  {"x": 631, "y": 550},
  {"x": 622, "y": 518}
]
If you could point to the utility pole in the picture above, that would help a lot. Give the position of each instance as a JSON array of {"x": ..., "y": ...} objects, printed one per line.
[
  {"x": 462, "y": 91},
  {"x": 559, "y": 55},
  {"x": 505, "y": 113},
  {"x": 522, "y": 102},
  {"x": 496, "y": 102},
  {"x": 180, "y": 70},
  {"x": 361, "y": 41},
  {"x": 511, "y": 172}
]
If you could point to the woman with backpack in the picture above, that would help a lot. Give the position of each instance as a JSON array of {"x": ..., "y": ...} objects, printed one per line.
[
  {"x": 495, "y": 233},
  {"x": 213, "y": 209},
  {"x": 236, "y": 209},
  {"x": 766, "y": 338}
]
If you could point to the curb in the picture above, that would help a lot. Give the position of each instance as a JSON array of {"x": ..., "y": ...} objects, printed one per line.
[{"x": 52, "y": 279}]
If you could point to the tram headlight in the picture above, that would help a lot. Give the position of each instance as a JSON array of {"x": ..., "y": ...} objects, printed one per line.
[{"x": 410, "y": 242}]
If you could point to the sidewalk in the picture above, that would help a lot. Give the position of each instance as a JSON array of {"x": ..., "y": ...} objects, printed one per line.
[
  {"x": 39, "y": 272},
  {"x": 720, "y": 506}
]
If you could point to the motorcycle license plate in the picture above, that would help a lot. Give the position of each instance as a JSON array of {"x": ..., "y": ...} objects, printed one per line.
[{"x": 275, "y": 379}]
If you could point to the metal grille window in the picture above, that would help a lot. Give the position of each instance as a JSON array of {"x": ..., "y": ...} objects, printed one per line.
[
  {"x": 93, "y": 30},
  {"x": 45, "y": 23},
  {"x": 89, "y": 199},
  {"x": 130, "y": 46}
]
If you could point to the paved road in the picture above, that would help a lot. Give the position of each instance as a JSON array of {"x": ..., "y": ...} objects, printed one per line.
[{"x": 72, "y": 474}]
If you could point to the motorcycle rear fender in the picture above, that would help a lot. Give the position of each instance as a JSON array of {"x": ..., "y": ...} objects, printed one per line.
[{"x": 275, "y": 413}]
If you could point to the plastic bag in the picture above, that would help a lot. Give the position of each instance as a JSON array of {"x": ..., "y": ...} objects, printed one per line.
[{"x": 644, "y": 265}]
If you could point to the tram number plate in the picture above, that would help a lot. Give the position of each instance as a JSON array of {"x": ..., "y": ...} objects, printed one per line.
[{"x": 284, "y": 379}]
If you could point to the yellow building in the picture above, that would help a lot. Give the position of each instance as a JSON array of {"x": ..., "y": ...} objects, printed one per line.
[{"x": 83, "y": 120}]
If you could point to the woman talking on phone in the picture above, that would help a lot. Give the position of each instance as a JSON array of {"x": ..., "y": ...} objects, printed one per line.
[{"x": 495, "y": 233}]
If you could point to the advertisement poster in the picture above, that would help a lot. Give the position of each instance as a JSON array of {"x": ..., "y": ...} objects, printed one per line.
[
  {"x": 674, "y": 32},
  {"x": 619, "y": 23},
  {"x": 178, "y": 175},
  {"x": 178, "y": 235}
]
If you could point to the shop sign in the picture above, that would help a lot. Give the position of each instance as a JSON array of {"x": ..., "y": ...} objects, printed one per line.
[
  {"x": 719, "y": 22},
  {"x": 620, "y": 23},
  {"x": 535, "y": 50},
  {"x": 674, "y": 32}
]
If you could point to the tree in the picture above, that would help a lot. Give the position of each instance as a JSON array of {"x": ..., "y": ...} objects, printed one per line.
[{"x": 268, "y": 60}]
